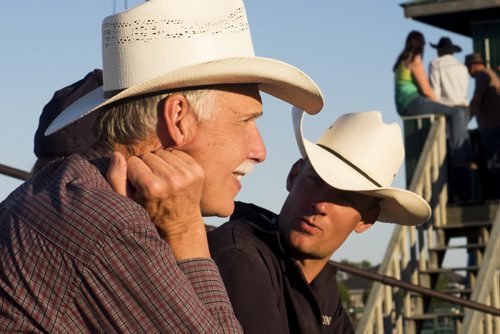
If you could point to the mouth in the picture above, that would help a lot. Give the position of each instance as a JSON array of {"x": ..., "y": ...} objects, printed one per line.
[
  {"x": 309, "y": 227},
  {"x": 243, "y": 169},
  {"x": 238, "y": 176}
]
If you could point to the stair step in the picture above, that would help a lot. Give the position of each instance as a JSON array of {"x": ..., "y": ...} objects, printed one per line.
[
  {"x": 467, "y": 229},
  {"x": 432, "y": 316},
  {"x": 465, "y": 291},
  {"x": 447, "y": 270},
  {"x": 482, "y": 212},
  {"x": 465, "y": 225},
  {"x": 466, "y": 246}
]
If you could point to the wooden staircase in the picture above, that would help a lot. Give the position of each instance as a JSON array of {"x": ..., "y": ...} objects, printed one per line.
[{"x": 417, "y": 254}]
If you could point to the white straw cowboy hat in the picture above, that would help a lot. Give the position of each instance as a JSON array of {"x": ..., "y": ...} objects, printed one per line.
[
  {"x": 162, "y": 45},
  {"x": 361, "y": 153}
]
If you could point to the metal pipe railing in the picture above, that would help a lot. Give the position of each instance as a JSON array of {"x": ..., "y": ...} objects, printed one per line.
[
  {"x": 387, "y": 280},
  {"x": 384, "y": 279},
  {"x": 14, "y": 172}
]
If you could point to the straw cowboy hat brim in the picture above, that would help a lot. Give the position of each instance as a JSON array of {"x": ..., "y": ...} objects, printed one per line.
[
  {"x": 274, "y": 77},
  {"x": 398, "y": 206}
]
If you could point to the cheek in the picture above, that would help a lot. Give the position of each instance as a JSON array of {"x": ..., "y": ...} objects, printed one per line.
[
  {"x": 232, "y": 150},
  {"x": 219, "y": 159},
  {"x": 344, "y": 224},
  {"x": 216, "y": 151}
]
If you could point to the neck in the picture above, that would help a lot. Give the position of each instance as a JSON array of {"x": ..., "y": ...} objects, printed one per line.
[{"x": 311, "y": 267}]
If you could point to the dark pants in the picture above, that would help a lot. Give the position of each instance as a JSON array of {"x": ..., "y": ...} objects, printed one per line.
[{"x": 490, "y": 149}]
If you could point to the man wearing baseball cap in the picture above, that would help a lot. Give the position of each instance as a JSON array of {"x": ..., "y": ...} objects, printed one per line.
[
  {"x": 275, "y": 266},
  {"x": 485, "y": 107},
  {"x": 74, "y": 138},
  {"x": 180, "y": 99}
]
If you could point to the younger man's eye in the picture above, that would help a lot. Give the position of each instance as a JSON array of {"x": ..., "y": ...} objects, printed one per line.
[{"x": 315, "y": 179}]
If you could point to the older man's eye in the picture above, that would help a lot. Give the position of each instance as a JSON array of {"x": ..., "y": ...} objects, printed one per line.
[{"x": 252, "y": 117}]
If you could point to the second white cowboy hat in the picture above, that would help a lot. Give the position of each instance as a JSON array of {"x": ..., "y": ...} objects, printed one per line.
[
  {"x": 168, "y": 44},
  {"x": 361, "y": 153}
]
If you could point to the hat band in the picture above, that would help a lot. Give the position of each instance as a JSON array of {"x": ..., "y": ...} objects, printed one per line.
[
  {"x": 110, "y": 93},
  {"x": 350, "y": 164}
]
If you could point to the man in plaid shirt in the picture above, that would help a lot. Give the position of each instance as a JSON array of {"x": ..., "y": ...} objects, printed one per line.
[{"x": 180, "y": 101}]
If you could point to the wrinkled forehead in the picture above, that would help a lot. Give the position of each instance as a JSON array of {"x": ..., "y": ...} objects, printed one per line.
[
  {"x": 243, "y": 99},
  {"x": 236, "y": 92}
]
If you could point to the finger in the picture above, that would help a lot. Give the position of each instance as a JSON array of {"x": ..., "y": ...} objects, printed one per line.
[
  {"x": 179, "y": 161},
  {"x": 163, "y": 163},
  {"x": 162, "y": 174},
  {"x": 179, "y": 156},
  {"x": 138, "y": 172},
  {"x": 117, "y": 173}
]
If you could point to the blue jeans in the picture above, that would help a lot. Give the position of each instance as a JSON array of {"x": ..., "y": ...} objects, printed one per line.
[{"x": 456, "y": 122}]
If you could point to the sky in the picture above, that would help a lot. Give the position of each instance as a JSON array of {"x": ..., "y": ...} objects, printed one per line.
[{"x": 347, "y": 47}]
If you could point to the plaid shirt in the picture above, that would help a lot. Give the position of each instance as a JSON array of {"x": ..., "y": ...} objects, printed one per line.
[{"x": 77, "y": 257}]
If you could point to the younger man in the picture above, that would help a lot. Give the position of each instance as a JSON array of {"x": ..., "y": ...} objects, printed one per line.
[{"x": 275, "y": 266}]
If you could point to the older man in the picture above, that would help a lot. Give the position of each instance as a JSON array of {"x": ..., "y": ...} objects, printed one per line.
[
  {"x": 180, "y": 101},
  {"x": 275, "y": 266}
]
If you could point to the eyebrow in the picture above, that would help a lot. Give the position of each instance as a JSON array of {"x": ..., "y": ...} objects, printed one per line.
[
  {"x": 247, "y": 116},
  {"x": 254, "y": 115}
]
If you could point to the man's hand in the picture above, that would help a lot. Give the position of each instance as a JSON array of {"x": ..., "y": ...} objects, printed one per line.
[
  {"x": 117, "y": 175},
  {"x": 168, "y": 185}
]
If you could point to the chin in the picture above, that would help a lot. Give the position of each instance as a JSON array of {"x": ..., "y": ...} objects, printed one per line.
[
  {"x": 217, "y": 209},
  {"x": 301, "y": 245}
]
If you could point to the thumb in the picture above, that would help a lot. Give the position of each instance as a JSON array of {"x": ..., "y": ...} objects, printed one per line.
[{"x": 117, "y": 173}]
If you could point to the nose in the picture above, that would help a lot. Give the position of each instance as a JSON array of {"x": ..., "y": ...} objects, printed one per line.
[
  {"x": 319, "y": 207},
  {"x": 256, "y": 146}
]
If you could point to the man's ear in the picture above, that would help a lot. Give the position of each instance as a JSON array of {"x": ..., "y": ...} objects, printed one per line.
[
  {"x": 293, "y": 173},
  {"x": 179, "y": 120},
  {"x": 369, "y": 218}
]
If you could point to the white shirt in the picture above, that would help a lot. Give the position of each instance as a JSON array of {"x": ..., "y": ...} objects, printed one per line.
[{"x": 449, "y": 80}]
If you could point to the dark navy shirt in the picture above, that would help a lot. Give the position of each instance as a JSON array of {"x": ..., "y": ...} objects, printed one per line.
[{"x": 266, "y": 287}]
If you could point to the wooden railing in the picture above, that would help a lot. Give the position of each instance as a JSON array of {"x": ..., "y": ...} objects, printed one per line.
[
  {"x": 391, "y": 309},
  {"x": 488, "y": 279}
]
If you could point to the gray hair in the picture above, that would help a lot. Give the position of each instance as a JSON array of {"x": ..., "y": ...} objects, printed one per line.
[{"x": 136, "y": 120}]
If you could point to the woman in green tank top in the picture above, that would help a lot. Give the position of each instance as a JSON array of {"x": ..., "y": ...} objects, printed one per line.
[
  {"x": 410, "y": 77},
  {"x": 414, "y": 96}
]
